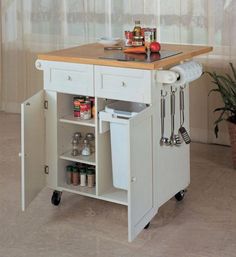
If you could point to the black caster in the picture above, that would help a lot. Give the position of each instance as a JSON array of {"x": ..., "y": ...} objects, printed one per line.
[
  {"x": 56, "y": 198},
  {"x": 180, "y": 195},
  {"x": 147, "y": 226}
]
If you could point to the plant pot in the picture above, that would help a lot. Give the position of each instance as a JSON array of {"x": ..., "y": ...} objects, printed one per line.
[{"x": 232, "y": 134}]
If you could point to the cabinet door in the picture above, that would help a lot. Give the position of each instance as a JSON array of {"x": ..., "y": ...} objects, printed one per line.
[
  {"x": 140, "y": 194},
  {"x": 32, "y": 147}
]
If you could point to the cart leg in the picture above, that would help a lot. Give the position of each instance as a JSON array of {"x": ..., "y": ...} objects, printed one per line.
[
  {"x": 180, "y": 195},
  {"x": 147, "y": 226},
  {"x": 56, "y": 197}
]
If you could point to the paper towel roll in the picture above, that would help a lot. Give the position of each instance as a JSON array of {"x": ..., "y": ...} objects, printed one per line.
[
  {"x": 188, "y": 72},
  {"x": 166, "y": 76}
]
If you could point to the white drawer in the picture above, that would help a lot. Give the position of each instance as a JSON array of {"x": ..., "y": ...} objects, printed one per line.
[
  {"x": 123, "y": 84},
  {"x": 70, "y": 78}
]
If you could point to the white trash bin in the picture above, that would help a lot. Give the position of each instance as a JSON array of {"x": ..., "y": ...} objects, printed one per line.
[{"x": 118, "y": 114}]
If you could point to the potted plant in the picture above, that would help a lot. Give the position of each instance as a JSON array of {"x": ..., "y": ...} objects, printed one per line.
[{"x": 225, "y": 85}]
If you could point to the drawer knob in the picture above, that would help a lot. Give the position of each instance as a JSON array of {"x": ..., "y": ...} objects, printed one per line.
[
  {"x": 123, "y": 84},
  {"x": 69, "y": 78},
  {"x": 133, "y": 179}
]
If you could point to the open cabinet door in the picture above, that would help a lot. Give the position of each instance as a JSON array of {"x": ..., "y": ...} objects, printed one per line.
[
  {"x": 32, "y": 148},
  {"x": 140, "y": 194}
]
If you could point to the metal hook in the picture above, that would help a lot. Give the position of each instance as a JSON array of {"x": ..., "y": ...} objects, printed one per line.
[
  {"x": 163, "y": 95},
  {"x": 173, "y": 91}
]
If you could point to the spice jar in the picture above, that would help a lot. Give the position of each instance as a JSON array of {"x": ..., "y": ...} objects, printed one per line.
[
  {"x": 69, "y": 170},
  {"x": 75, "y": 147},
  {"x": 91, "y": 176},
  {"x": 82, "y": 177},
  {"x": 86, "y": 151},
  {"x": 77, "y": 136},
  {"x": 75, "y": 176}
]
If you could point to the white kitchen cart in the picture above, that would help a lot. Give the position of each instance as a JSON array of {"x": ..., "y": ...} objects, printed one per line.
[{"x": 156, "y": 173}]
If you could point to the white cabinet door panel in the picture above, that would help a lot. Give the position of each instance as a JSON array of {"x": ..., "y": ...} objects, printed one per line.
[
  {"x": 32, "y": 147},
  {"x": 140, "y": 195}
]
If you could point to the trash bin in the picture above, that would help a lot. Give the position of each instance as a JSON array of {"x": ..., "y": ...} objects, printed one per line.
[{"x": 118, "y": 114}]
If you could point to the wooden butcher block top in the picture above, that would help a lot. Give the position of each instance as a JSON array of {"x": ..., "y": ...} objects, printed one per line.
[{"x": 92, "y": 53}]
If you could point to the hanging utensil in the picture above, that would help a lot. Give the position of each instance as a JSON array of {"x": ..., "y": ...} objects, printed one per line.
[
  {"x": 182, "y": 131},
  {"x": 174, "y": 139},
  {"x": 164, "y": 140}
]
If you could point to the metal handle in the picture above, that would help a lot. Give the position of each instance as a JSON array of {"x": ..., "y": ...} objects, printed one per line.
[
  {"x": 181, "y": 106},
  {"x": 162, "y": 115},
  {"x": 69, "y": 78},
  {"x": 172, "y": 102},
  {"x": 172, "y": 112}
]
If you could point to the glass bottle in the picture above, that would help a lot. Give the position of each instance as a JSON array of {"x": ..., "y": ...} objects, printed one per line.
[
  {"x": 137, "y": 31},
  {"x": 75, "y": 147},
  {"x": 86, "y": 150}
]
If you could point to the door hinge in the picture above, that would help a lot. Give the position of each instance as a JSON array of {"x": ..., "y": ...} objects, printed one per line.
[
  {"x": 45, "y": 104},
  {"x": 46, "y": 169}
]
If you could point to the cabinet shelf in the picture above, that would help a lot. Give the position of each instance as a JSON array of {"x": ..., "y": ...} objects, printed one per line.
[
  {"x": 72, "y": 120},
  {"x": 86, "y": 191},
  {"x": 115, "y": 195},
  {"x": 80, "y": 158}
]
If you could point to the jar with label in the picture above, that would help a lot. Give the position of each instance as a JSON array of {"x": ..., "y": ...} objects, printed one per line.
[
  {"x": 91, "y": 176},
  {"x": 85, "y": 110},
  {"x": 75, "y": 176},
  {"x": 128, "y": 38},
  {"x": 69, "y": 170},
  {"x": 82, "y": 177},
  {"x": 137, "y": 41}
]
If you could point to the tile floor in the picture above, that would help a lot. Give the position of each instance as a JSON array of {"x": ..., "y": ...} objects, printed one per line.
[{"x": 203, "y": 225}]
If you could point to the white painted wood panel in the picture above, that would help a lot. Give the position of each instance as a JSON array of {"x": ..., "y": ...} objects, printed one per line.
[
  {"x": 70, "y": 78},
  {"x": 32, "y": 148},
  {"x": 140, "y": 194},
  {"x": 123, "y": 84}
]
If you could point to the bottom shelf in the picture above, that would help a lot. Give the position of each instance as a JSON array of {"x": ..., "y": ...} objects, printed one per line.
[
  {"x": 86, "y": 191},
  {"x": 115, "y": 195}
]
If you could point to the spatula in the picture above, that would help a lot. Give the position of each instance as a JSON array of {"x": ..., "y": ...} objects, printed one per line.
[{"x": 182, "y": 130}]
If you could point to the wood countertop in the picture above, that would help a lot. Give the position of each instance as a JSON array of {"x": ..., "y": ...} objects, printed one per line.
[{"x": 90, "y": 53}]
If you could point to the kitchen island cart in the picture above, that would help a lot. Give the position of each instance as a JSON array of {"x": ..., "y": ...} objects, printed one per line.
[{"x": 155, "y": 173}]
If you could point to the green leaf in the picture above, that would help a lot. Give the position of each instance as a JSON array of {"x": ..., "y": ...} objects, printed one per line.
[
  {"x": 233, "y": 70},
  {"x": 216, "y": 130}
]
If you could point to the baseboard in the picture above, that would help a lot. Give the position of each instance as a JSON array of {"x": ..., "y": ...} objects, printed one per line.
[{"x": 207, "y": 136}]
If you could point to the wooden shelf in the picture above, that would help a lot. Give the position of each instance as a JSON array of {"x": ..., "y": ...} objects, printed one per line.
[
  {"x": 86, "y": 191},
  {"x": 115, "y": 195},
  {"x": 80, "y": 158},
  {"x": 72, "y": 120}
]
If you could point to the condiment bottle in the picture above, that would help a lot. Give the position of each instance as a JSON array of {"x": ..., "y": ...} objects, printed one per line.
[
  {"x": 69, "y": 170},
  {"x": 137, "y": 31},
  {"x": 86, "y": 148},
  {"x": 91, "y": 177},
  {"x": 82, "y": 177},
  {"x": 75, "y": 176},
  {"x": 75, "y": 147}
]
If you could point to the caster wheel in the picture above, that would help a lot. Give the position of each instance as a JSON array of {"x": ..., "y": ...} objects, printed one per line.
[
  {"x": 180, "y": 195},
  {"x": 56, "y": 198},
  {"x": 147, "y": 226}
]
